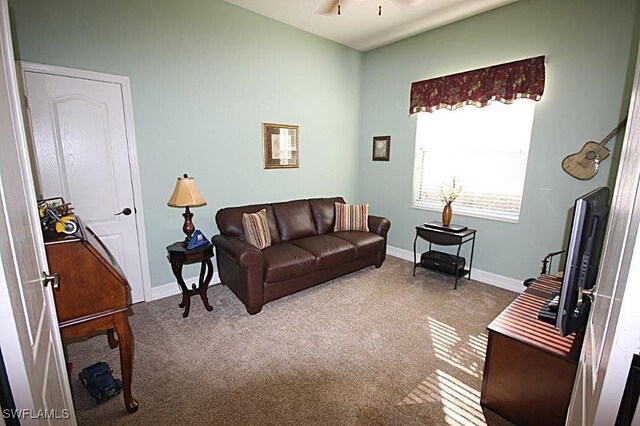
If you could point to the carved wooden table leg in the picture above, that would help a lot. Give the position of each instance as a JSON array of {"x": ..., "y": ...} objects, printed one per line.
[
  {"x": 186, "y": 304},
  {"x": 125, "y": 339},
  {"x": 203, "y": 285},
  {"x": 176, "y": 267},
  {"x": 178, "y": 256}
]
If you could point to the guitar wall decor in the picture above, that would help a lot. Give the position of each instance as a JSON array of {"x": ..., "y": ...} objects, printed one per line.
[{"x": 584, "y": 165}]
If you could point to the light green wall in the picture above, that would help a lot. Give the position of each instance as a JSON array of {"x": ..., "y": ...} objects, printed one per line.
[
  {"x": 589, "y": 50},
  {"x": 204, "y": 76}
]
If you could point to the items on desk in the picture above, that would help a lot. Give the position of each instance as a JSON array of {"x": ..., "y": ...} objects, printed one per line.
[
  {"x": 56, "y": 215},
  {"x": 549, "y": 310},
  {"x": 554, "y": 303}
]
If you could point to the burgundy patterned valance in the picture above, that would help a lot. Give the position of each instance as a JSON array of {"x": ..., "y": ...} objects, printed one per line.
[{"x": 505, "y": 83}]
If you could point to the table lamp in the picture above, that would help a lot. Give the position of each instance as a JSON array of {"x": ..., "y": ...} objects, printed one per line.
[{"x": 186, "y": 194}]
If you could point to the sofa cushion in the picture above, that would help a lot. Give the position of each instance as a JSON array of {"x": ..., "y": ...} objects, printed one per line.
[
  {"x": 256, "y": 229},
  {"x": 229, "y": 221},
  {"x": 329, "y": 251},
  {"x": 324, "y": 213},
  {"x": 351, "y": 217},
  {"x": 285, "y": 261},
  {"x": 294, "y": 220},
  {"x": 366, "y": 243}
]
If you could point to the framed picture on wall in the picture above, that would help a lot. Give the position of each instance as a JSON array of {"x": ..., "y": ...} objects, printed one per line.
[
  {"x": 280, "y": 146},
  {"x": 381, "y": 147}
]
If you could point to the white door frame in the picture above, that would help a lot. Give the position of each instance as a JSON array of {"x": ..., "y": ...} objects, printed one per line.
[
  {"x": 17, "y": 359},
  {"x": 605, "y": 358},
  {"x": 127, "y": 105}
]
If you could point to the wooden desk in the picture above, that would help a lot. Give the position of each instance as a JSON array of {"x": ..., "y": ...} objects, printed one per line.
[
  {"x": 93, "y": 295},
  {"x": 529, "y": 368}
]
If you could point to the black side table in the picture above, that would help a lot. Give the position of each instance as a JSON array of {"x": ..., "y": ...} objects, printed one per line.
[
  {"x": 178, "y": 257},
  {"x": 445, "y": 238}
]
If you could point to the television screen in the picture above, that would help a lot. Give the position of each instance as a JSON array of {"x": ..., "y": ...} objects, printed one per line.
[{"x": 583, "y": 257}]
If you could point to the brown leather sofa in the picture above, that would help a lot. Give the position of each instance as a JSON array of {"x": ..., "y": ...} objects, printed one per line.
[{"x": 304, "y": 252}]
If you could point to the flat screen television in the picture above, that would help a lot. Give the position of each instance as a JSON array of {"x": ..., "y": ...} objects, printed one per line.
[{"x": 583, "y": 257}]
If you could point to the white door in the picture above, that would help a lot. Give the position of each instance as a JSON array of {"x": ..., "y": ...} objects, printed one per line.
[
  {"x": 29, "y": 335},
  {"x": 612, "y": 335},
  {"x": 82, "y": 154}
]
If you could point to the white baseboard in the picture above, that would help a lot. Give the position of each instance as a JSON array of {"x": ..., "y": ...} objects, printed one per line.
[
  {"x": 476, "y": 274},
  {"x": 172, "y": 288},
  {"x": 400, "y": 253},
  {"x": 496, "y": 280}
]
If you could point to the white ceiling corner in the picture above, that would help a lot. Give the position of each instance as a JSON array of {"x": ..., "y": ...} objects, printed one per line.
[{"x": 359, "y": 25}]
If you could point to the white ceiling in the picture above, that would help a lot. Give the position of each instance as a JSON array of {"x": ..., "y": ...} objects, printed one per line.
[{"x": 359, "y": 25}]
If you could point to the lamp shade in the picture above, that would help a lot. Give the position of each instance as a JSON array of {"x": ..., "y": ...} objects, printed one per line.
[{"x": 186, "y": 194}]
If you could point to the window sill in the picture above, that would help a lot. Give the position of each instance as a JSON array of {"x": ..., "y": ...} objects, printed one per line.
[{"x": 462, "y": 211}]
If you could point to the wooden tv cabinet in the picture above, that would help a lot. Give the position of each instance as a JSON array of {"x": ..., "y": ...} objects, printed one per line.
[{"x": 529, "y": 368}]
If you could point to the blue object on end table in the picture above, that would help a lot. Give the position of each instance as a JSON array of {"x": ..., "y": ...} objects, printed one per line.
[
  {"x": 197, "y": 240},
  {"x": 97, "y": 379}
]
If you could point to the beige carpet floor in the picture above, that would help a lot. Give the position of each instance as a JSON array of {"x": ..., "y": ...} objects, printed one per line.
[{"x": 377, "y": 347}]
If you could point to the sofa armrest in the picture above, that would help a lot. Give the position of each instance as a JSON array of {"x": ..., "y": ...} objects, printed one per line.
[
  {"x": 241, "y": 268},
  {"x": 241, "y": 252},
  {"x": 379, "y": 225}
]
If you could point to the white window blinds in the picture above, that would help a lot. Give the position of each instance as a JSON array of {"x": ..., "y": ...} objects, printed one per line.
[{"x": 485, "y": 149}]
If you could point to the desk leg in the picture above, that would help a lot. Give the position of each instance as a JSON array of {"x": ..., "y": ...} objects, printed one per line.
[
  {"x": 203, "y": 284},
  {"x": 414, "y": 254},
  {"x": 126, "y": 358}
]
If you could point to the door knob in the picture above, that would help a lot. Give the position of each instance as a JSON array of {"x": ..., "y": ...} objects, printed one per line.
[
  {"x": 52, "y": 279},
  {"x": 126, "y": 212}
]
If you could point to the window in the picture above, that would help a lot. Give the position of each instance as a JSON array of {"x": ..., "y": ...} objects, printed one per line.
[{"x": 484, "y": 149}]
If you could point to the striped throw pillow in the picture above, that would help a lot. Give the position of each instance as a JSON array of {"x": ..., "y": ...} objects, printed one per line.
[
  {"x": 352, "y": 217},
  {"x": 256, "y": 229}
]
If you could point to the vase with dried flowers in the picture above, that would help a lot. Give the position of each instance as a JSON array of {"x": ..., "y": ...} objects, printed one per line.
[{"x": 448, "y": 193}]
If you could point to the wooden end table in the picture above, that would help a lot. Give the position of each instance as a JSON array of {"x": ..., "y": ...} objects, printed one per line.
[{"x": 179, "y": 256}]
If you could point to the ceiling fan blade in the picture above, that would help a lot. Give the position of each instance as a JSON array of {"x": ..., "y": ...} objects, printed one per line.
[{"x": 328, "y": 7}]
